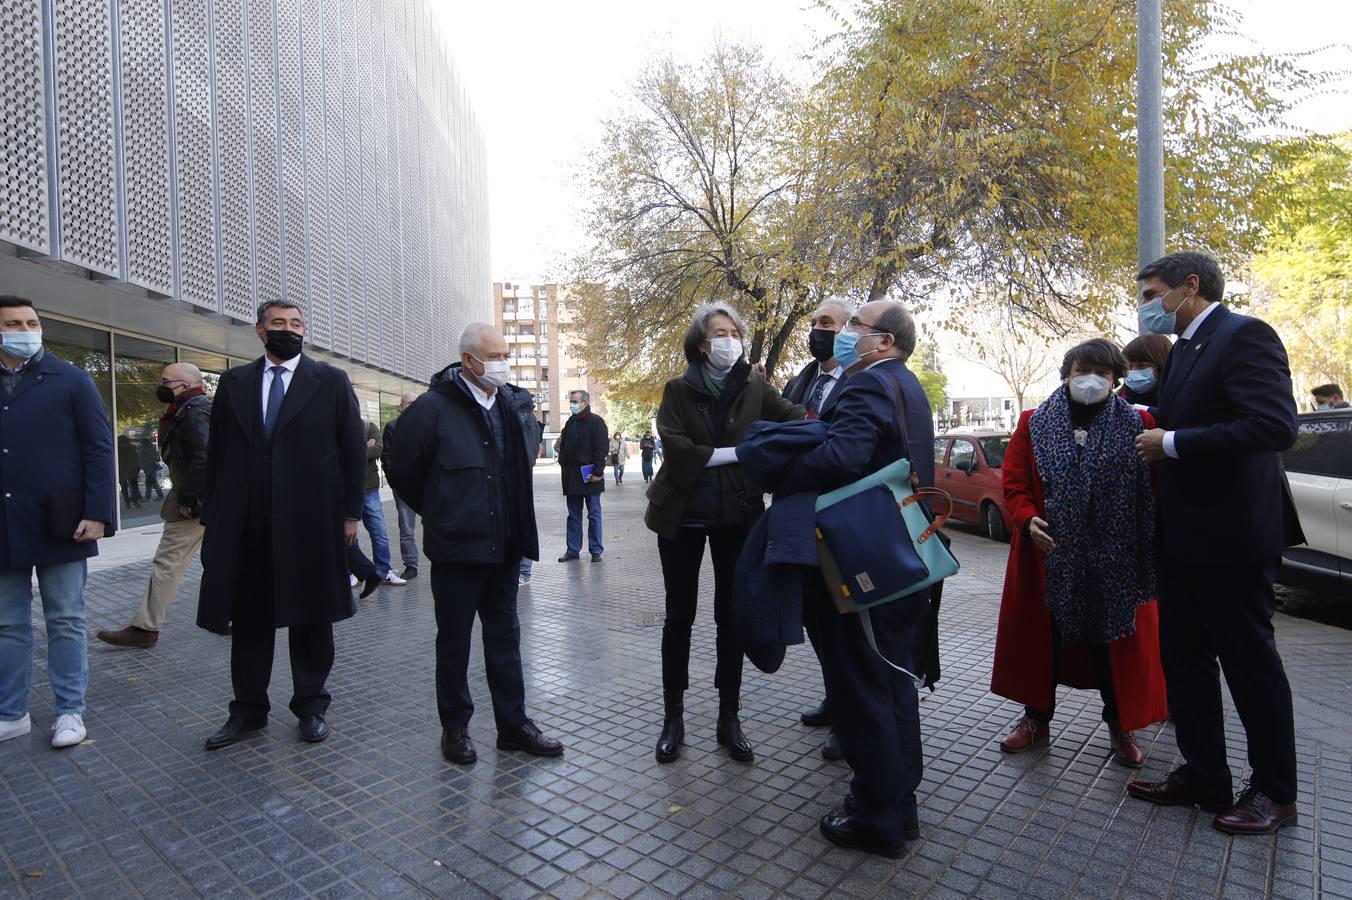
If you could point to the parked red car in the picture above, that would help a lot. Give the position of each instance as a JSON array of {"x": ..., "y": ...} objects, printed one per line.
[{"x": 967, "y": 466}]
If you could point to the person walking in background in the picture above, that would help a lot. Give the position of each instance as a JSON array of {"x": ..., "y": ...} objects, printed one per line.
[
  {"x": 59, "y": 499},
  {"x": 184, "y": 429},
  {"x": 373, "y": 511},
  {"x": 619, "y": 455},
  {"x": 149, "y": 461},
  {"x": 582, "y": 450},
  {"x": 1078, "y": 606},
  {"x": 463, "y": 458},
  {"x": 1145, "y": 357},
  {"x": 1328, "y": 396},
  {"x": 408, "y": 519},
  {"x": 647, "y": 447},
  {"x": 1226, "y": 413},
  {"x": 284, "y": 488},
  {"x": 813, "y": 388},
  {"x": 700, "y": 496},
  {"x": 129, "y": 471}
]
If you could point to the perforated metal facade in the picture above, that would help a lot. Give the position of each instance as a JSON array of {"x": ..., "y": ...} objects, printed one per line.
[{"x": 221, "y": 154}]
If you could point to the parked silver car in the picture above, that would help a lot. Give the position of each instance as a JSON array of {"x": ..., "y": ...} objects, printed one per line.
[{"x": 1319, "y": 468}]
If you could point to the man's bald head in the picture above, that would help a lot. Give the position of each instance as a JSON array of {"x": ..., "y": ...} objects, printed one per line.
[
  {"x": 406, "y": 400},
  {"x": 183, "y": 372}
]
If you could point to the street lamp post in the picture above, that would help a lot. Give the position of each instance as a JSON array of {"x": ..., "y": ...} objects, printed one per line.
[{"x": 1149, "y": 133}]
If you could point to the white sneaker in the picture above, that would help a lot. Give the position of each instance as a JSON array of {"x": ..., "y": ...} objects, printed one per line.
[
  {"x": 68, "y": 730},
  {"x": 391, "y": 578},
  {"x": 522, "y": 580},
  {"x": 15, "y": 728},
  {"x": 352, "y": 581}
]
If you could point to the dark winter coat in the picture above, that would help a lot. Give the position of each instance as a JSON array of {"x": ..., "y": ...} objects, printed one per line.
[
  {"x": 183, "y": 445},
  {"x": 57, "y": 467},
  {"x": 317, "y": 461},
  {"x": 692, "y": 423},
  {"x": 584, "y": 442},
  {"x": 477, "y": 508},
  {"x": 373, "y": 452}
]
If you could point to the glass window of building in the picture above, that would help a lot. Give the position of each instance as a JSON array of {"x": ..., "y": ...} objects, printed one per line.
[
  {"x": 137, "y": 366},
  {"x": 85, "y": 348},
  {"x": 213, "y": 366}
]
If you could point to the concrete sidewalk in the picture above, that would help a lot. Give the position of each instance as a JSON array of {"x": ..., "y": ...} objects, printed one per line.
[{"x": 141, "y": 810}]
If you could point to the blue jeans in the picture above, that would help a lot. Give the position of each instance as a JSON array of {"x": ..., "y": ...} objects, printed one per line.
[
  {"x": 593, "y": 523},
  {"x": 62, "y": 589},
  {"x": 374, "y": 518}
]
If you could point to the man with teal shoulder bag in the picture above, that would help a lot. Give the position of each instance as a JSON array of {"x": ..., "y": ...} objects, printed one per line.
[{"x": 874, "y": 706}]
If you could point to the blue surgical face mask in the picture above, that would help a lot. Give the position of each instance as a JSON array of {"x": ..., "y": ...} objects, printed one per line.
[
  {"x": 575, "y": 408},
  {"x": 23, "y": 344},
  {"x": 1141, "y": 380},
  {"x": 846, "y": 351},
  {"x": 1153, "y": 317}
]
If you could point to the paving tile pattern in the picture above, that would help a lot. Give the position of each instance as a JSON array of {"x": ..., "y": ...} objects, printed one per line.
[{"x": 141, "y": 810}]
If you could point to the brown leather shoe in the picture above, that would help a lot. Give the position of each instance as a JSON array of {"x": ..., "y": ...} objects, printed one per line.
[
  {"x": 1255, "y": 813},
  {"x": 457, "y": 747},
  {"x": 1126, "y": 751},
  {"x": 1178, "y": 791},
  {"x": 529, "y": 739},
  {"x": 1027, "y": 734},
  {"x": 131, "y": 636}
]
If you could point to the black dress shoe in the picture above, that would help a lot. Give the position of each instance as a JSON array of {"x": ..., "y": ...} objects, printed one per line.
[
  {"x": 457, "y": 747},
  {"x": 233, "y": 730},
  {"x": 844, "y": 831},
  {"x": 831, "y": 748},
  {"x": 1255, "y": 813},
  {"x": 730, "y": 735},
  {"x": 528, "y": 739},
  {"x": 1177, "y": 790},
  {"x": 369, "y": 587},
  {"x": 818, "y": 716},
  {"x": 568, "y": 557},
  {"x": 596, "y": 557},
  {"x": 409, "y": 573},
  {"x": 673, "y": 735},
  {"x": 313, "y": 729},
  {"x": 910, "y": 831}
]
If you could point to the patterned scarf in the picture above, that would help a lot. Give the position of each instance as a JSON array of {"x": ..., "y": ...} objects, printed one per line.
[{"x": 1101, "y": 513}]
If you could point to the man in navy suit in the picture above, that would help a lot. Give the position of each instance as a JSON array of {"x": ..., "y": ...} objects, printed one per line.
[
  {"x": 1226, "y": 412},
  {"x": 874, "y": 707}
]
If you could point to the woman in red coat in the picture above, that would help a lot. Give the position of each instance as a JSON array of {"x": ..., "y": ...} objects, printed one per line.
[{"x": 1078, "y": 605}]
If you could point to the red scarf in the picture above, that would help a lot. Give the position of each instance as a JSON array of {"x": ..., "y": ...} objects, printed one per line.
[{"x": 172, "y": 409}]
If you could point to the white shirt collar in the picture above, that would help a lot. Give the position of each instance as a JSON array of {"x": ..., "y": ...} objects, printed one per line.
[
  {"x": 835, "y": 373},
  {"x": 1197, "y": 322},
  {"x": 289, "y": 364},
  {"x": 485, "y": 399}
]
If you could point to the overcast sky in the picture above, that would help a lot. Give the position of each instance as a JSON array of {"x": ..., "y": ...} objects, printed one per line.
[{"x": 542, "y": 74}]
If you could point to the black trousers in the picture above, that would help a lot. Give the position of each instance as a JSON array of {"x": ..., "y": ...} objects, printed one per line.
[
  {"x": 681, "y": 560},
  {"x": 1223, "y": 613},
  {"x": 1102, "y": 664},
  {"x": 253, "y": 642},
  {"x": 358, "y": 563},
  {"x": 459, "y": 593},
  {"x": 875, "y": 709}
]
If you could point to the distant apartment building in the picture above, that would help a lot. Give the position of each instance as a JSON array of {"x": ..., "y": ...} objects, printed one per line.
[{"x": 537, "y": 320}]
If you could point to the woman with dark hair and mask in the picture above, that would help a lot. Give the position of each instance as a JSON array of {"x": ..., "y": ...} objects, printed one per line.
[
  {"x": 701, "y": 496},
  {"x": 1078, "y": 605},
  {"x": 1145, "y": 357}
]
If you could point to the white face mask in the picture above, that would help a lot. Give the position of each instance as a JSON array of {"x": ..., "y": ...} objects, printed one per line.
[
  {"x": 495, "y": 372},
  {"x": 724, "y": 353},
  {"x": 1089, "y": 389},
  {"x": 1322, "y": 406},
  {"x": 575, "y": 408}
]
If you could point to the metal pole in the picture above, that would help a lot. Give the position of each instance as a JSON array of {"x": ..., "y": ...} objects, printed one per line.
[{"x": 1149, "y": 133}]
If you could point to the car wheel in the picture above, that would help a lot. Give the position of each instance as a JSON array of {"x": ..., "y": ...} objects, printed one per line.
[{"x": 994, "y": 523}]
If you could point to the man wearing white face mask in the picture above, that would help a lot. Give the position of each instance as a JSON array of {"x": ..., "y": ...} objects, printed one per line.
[{"x": 462, "y": 461}]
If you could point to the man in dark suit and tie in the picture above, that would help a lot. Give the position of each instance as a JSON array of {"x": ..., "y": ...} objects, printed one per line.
[
  {"x": 874, "y": 708},
  {"x": 286, "y": 472},
  {"x": 1226, "y": 412}
]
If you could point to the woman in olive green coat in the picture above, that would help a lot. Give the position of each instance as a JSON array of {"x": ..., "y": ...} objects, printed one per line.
[{"x": 701, "y": 495}]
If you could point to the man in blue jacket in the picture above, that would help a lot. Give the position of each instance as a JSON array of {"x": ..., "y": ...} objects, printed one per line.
[
  {"x": 463, "y": 457},
  {"x": 874, "y": 708},
  {"x": 1226, "y": 412},
  {"x": 59, "y": 496}
]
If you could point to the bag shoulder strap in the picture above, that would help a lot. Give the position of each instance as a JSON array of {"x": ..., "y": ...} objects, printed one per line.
[
  {"x": 867, "y": 623},
  {"x": 905, "y": 433}
]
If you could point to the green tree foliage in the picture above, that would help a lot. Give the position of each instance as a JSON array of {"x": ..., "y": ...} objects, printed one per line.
[
  {"x": 925, "y": 363},
  {"x": 1303, "y": 274}
]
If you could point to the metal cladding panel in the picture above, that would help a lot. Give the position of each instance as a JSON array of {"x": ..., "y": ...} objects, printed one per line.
[
  {"x": 24, "y": 215},
  {"x": 354, "y": 244},
  {"x": 86, "y": 130},
  {"x": 232, "y": 148},
  {"x": 379, "y": 342},
  {"x": 336, "y": 111},
  {"x": 290, "y": 112},
  {"x": 316, "y": 221},
  {"x": 194, "y": 156},
  {"x": 367, "y": 243},
  {"x": 146, "y": 144},
  {"x": 263, "y": 155}
]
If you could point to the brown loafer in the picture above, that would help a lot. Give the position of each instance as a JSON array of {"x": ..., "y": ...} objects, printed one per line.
[
  {"x": 131, "y": 636},
  {"x": 1027, "y": 734},
  {"x": 1126, "y": 751},
  {"x": 528, "y": 738},
  {"x": 1176, "y": 790},
  {"x": 456, "y": 746},
  {"x": 1255, "y": 813}
]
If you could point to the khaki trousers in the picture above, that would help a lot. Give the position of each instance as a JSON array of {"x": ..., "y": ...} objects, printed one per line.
[{"x": 178, "y": 543}]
